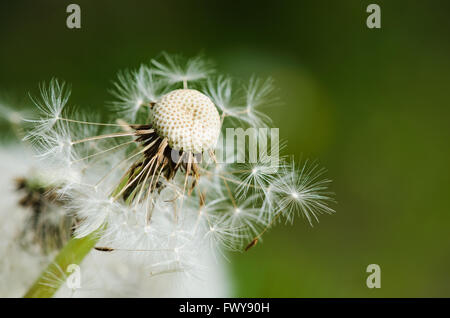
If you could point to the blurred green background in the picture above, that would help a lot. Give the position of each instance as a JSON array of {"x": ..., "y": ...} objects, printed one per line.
[{"x": 371, "y": 104}]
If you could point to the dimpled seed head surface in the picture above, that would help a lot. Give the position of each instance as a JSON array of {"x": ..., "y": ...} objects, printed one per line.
[{"x": 188, "y": 119}]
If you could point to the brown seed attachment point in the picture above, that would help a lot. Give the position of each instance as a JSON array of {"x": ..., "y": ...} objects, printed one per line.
[
  {"x": 251, "y": 244},
  {"x": 104, "y": 249}
]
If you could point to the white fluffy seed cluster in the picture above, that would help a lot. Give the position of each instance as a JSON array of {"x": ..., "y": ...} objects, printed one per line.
[{"x": 188, "y": 119}]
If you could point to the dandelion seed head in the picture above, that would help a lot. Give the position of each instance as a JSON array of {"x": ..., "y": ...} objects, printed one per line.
[
  {"x": 188, "y": 119},
  {"x": 172, "y": 211}
]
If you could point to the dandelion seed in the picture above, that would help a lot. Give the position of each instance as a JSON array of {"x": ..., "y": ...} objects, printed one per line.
[
  {"x": 220, "y": 90},
  {"x": 53, "y": 99},
  {"x": 176, "y": 69},
  {"x": 302, "y": 191},
  {"x": 136, "y": 89}
]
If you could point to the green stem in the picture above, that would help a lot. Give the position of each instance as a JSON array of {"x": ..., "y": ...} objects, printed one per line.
[
  {"x": 73, "y": 252},
  {"x": 55, "y": 274}
]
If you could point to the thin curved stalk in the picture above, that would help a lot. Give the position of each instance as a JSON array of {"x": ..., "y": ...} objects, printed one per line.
[
  {"x": 52, "y": 278},
  {"x": 55, "y": 275}
]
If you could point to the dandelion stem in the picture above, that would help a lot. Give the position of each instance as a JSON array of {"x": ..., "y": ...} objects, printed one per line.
[{"x": 73, "y": 253}]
